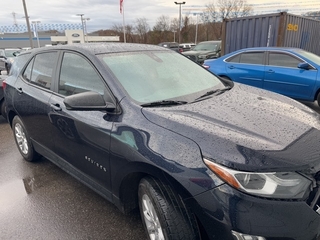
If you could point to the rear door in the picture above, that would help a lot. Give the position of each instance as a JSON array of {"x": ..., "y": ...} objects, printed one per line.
[
  {"x": 82, "y": 138},
  {"x": 283, "y": 76},
  {"x": 32, "y": 93},
  {"x": 247, "y": 68}
]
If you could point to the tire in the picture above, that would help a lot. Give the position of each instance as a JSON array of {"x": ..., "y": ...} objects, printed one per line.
[
  {"x": 164, "y": 215},
  {"x": 23, "y": 141},
  {"x": 3, "y": 109},
  {"x": 318, "y": 99}
]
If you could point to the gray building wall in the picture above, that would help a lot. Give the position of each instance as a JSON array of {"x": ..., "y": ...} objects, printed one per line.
[{"x": 8, "y": 40}]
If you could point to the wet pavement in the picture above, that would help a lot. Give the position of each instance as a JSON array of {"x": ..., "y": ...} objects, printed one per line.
[{"x": 41, "y": 201}]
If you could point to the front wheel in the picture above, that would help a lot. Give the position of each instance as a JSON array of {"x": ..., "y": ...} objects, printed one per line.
[
  {"x": 164, "y": 214},
  {"x": 23, "y": 140}
]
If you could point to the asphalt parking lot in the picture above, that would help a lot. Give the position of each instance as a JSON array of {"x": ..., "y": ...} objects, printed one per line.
[{"x": 41, "y": 201}]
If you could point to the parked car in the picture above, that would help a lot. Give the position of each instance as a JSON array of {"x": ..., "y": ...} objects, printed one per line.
[
  {"x": 171, "y": 45},
  {"x": 186, "y": 46},
  {"x": 204, "y": 50},
  {"x": 289, "y": 71},
  {"x": 5, "y": 54},
  {"x": 145, "y": 127}
]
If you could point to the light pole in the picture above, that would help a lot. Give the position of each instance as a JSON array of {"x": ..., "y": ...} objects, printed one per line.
[
  {"x": 179, "y": 3},
  {"x": 174, "y": 35},
  {"x": 196, "y": 37},
  {"x": 27, "y": 21},
  {"x": 35, "y": 24},
  {"x": 85, "y": 27},
  {"x": 81, "y": 16}
]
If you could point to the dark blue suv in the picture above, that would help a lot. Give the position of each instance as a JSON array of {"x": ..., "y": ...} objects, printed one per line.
[{"x": 147, "y": 128}]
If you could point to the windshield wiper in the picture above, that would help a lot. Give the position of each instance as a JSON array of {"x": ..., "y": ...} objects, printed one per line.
[
  {"x": 216, "y": 92},
  {"x": 163, "y": 103}
]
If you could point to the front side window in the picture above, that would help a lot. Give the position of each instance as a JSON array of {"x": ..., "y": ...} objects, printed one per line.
[
  {"x": 78, "y": 75},
  {"x": 39, "y": 70},
  {"x": 283, "y": 60}
]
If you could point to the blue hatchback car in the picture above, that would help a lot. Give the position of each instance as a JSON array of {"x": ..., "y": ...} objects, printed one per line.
[{"x": 289, "y": 71}]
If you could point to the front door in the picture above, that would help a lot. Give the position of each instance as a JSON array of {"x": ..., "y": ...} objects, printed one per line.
[
  {"x": 82, "y": 138},
  {"x": 283, "y": 76}
]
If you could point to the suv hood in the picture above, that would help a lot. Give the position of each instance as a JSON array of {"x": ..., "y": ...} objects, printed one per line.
[{"x": 248, "y": 129}]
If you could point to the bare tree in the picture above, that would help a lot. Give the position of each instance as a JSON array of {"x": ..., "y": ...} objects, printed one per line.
[
  {"x": 185, "y": 31},
  {"x": 226, "y": 9},
  {"x": 161, "y": 31},
  {"x": 129, "y": 33},
  {"x": 233, "y": 8},
  {"x": 142, "y": 28},
  {"x": 117, "y": 28},
  {"x": 314, "y": 15},
  {"x": 162, "y": 24},
  {"x": 217, "y": 11},
  {"x": 211, "y": 14}
]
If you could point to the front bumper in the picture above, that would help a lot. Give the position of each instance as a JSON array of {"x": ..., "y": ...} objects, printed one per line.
[{"x": 225, "y": 209}]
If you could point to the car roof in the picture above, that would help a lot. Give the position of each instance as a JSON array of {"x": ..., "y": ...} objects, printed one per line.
[
  {"x": 100, "y": 48},
  {"x": 270, "y": 48}
]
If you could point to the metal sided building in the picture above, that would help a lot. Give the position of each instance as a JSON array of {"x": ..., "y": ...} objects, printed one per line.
[{"x": 271, "y": 30}]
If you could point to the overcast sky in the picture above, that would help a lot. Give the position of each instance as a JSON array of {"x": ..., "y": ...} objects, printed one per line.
[{"x": 104, "y": 14}]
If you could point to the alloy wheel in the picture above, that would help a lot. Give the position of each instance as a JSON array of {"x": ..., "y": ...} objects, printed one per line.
[
  {"x": 151, "y": 219},
  {"x": 21, "y": 138}
]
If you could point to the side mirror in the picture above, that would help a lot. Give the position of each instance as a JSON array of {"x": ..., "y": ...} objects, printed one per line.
[
  {"x": 88, "y": 101},
  {"x": 304, "y": 65}
]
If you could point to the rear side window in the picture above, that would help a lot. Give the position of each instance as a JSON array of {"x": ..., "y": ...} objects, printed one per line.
[
  {"x": 283, "y": 60},
  {"x": 78, "y": 75},
  {"x": 248, "y": 58},
  {"x": 40, "y": 68},
  {"x": 234, "y": 59},
  {"x": 252, "y": 58}
]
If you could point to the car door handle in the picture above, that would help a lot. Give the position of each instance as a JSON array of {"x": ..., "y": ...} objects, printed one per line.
[
  {"x": 231, "y": 67},
  {"x": 19, "y": 90},
  {"x": 270, "y": 71},
  {"x": 56, "y": 107}
]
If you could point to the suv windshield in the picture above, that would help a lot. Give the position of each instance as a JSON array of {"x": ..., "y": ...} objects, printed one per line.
[
  {"x": 206, "y": 47},
  {"x": 149, "y": 77}
]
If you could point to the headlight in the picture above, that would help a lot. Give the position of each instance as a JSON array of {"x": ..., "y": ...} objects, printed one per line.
[{"x": 286, "y": 185}]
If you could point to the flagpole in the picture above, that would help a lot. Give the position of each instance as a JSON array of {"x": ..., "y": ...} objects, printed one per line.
[{"x": 123, "y": 24}]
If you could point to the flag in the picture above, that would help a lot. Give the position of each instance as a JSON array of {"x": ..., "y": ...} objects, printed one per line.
[{"x": 121, "y": 3}]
